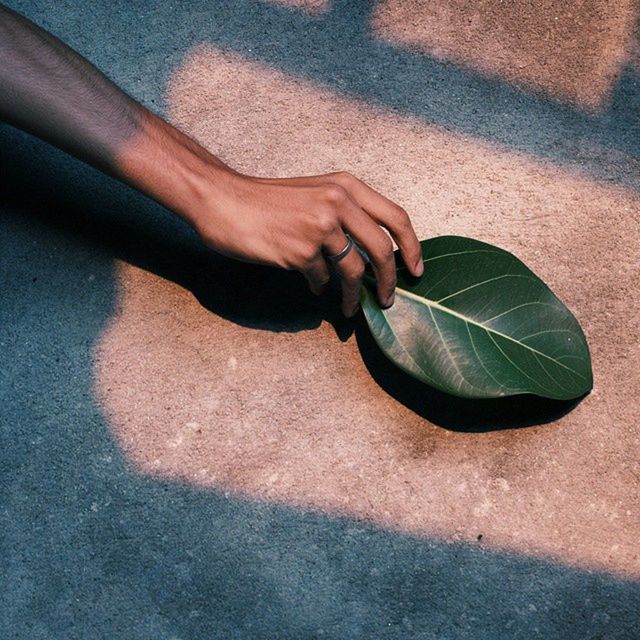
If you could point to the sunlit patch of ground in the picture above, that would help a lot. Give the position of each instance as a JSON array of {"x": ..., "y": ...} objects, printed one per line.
[
  {"x": 313, "y": 7},
  {"x": 571, "y": 51},
  {"x": 297, "y": 418}
]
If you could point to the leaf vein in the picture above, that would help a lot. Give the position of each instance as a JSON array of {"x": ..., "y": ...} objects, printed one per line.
[
  {"x": 535, "y": 355},
  {"x": 515, "y": 365},
  {"x": 520, "y": 306},
  {"x": 479, "y": 284},
  {"x": 399, "y": 342},
  {"x": 538, "y": 333},
  {"x": 435, "y": 305},
  {"x": 446, "y": 348},
  {"x": 473, "y": 345},
  {"x": 459, "y": 253}
]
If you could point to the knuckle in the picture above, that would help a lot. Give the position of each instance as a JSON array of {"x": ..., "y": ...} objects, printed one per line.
[
  {"x": 307, "y": 255},
  {"x": 335, "y": 194},
  {"x": 288, "y": 263},
  {"x": 355, "y": 273},
  {"x": 326, "y": 221},
  {"x": 345, "y": 177},
  {"x": 402, "y": 217},
  {"x": 298, "y": 260},
  {"x": 295, "y": 263}
]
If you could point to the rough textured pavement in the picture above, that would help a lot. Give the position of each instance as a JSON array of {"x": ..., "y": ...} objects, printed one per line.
[{"x": 195, "y": 448}]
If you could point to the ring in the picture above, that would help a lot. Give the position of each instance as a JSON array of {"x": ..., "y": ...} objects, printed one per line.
[{"x": 341, "y": 254}]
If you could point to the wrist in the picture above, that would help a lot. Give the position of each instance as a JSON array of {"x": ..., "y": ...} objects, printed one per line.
[{"x": 174, "y": 170}]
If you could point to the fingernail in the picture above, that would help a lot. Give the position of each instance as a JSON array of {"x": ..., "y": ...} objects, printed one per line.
[
  {"x": 419, "y": 267},
  {"x": 391, "y": 299}
]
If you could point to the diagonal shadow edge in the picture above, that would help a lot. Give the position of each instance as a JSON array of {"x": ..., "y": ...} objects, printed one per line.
[
  {"x": 335, "y": 49},
  {"x": 96, "y": 534},
  {"x": 249, "y": 295},
  {"x": 128, "y": 226}
]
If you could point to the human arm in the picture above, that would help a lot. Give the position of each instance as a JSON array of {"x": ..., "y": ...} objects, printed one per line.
[{"x": 51, "y": 91}]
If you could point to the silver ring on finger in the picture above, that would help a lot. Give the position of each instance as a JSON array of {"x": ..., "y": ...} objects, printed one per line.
[{"x": 336, "y": 257}]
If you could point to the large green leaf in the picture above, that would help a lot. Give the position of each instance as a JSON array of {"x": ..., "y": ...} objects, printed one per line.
[{"x": 480, "y": 324}]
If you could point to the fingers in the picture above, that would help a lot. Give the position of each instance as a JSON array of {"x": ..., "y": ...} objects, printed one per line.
[
  {"x": 350, "y": 270},
  {"x": 348, "y": 204},
  {"x": 378, "y": 246},
  {"x": 317, "y": 275},
  {"x": 389, "y": 215}
]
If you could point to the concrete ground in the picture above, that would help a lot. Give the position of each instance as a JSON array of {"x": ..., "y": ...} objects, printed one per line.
[{"x": 197, "y": 448}]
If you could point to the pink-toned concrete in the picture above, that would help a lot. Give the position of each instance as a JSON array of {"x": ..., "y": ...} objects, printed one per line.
[
  {"x": 571, "y": 51},
  {"x": 296, "y": 418}
]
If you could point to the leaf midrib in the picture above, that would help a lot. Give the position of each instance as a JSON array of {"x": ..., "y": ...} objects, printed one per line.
[
  {"x": 397, "y": 339},
  {"x": 433, "y": 304}
]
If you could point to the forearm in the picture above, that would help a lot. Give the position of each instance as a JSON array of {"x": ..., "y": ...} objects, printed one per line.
[
  {"x": 51, "y": 91},
  {"x": 48, "y": 89}
]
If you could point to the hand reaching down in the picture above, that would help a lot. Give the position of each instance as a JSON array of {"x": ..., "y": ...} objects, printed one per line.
[{"x": 293, "y": 223}]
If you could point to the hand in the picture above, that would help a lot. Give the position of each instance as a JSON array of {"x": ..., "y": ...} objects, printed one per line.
[
  {"x": 289, "y": 222},
  {"x": 294, "y": 223}
]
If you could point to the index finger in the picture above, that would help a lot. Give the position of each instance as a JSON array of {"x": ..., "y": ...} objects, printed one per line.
[{"x": 389, "y": 215}]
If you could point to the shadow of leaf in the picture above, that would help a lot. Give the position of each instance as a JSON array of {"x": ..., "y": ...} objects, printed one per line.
[
  {"x": 450, "y": 412},
  {"x": 122, "y": 223}
]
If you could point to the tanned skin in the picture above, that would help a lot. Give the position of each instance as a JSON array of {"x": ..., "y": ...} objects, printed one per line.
[{"x": 51, "y": 91}]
